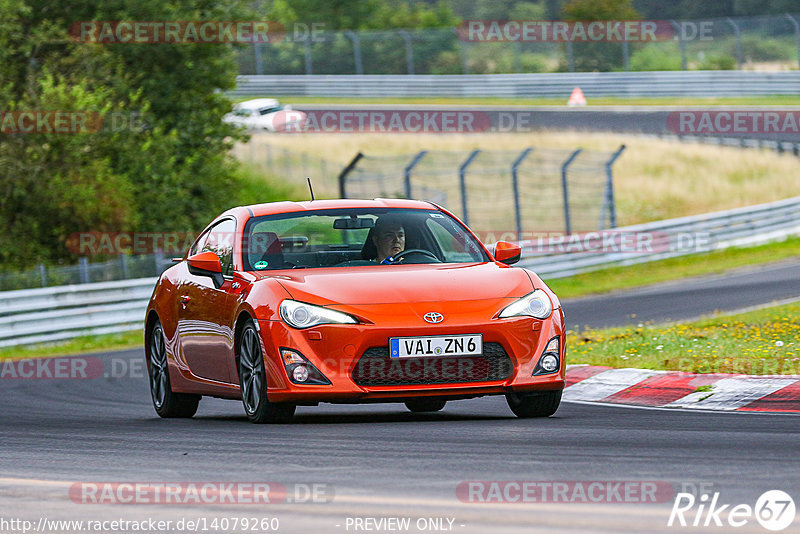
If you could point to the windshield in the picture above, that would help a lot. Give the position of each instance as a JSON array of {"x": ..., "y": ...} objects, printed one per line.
[{"x": 350, "y": 237}]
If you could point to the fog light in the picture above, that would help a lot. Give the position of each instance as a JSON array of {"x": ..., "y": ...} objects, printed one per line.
[
  {"x": 300, "y": 370},
  {"x": 550, "y": 360},
  {"x": 300, "y": 373},
  {"x": 549, "y": 363}
]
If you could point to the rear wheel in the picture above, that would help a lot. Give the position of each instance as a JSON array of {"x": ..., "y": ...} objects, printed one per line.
[
  {"x": 423, "y": 404},
  {"x": 253, "y": 381},
  {"x": 543, "y": 404},
  {"x": 166, "y": 403}
]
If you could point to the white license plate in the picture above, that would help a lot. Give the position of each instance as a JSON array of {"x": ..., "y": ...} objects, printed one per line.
[{"x": 420, "y": 347}]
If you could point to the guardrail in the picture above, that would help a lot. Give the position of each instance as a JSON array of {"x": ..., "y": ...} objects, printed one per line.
[
  {"x": 63, "y": 312},
  {"x": 57, "y": 313},
  {"x": 534, "y": 85},
  {"x": 746, "y": 226}
]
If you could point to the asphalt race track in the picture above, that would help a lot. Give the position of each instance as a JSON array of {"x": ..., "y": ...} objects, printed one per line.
[
  {"x": 380, "y": 461},
  {"x": 688, "y": 298}
]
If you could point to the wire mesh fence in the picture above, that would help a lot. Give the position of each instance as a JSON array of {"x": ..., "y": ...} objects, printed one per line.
[
  {"x": 122, "y": 267},
  {"x": 498, "y": 192},
  {"x": 289, "y": 165},
  {"x": 764, "y": 42}
]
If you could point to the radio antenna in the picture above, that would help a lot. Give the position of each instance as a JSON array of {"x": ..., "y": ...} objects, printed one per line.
[{"x": 311, "y": 189}]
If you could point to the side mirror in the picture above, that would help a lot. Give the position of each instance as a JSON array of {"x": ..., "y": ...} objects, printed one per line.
[
  {"x": 206, "y": 264},
  {"x": 507, "y": 253}
]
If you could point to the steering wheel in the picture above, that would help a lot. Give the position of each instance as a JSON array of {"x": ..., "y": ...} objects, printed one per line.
[{"x": 419, "y": 251}]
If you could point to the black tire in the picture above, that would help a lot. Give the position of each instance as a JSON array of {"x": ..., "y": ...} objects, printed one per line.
[
  {"x": 423, "y": 404},
  {"x": 166, "y": 403},
  {"x": 253, "y": 381},
  {"x": 542, "y": 404}
]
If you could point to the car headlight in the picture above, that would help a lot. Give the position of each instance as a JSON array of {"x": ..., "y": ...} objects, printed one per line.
[
  {"x": 536, "y": 304},
  {"x": 302, "y": 315}
]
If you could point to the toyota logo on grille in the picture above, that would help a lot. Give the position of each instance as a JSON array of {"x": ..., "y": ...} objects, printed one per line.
[{"x": 433, "y": 317}]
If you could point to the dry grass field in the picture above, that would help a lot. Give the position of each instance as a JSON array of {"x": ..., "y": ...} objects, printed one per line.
[{"x": 653, "y": 179}]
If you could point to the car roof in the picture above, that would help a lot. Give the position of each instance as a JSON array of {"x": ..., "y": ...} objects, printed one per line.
[
  {"x": 257, "y": 210},
  {"x": 259, "y": 103}
]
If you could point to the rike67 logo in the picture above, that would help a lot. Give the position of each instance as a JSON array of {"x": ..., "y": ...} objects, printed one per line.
[{"x": 774, "y": 510}]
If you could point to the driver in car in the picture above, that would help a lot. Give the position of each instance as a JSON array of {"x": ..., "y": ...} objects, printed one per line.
[{"x": 389, "y": 238}]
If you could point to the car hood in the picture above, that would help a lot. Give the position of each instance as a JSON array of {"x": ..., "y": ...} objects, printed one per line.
[{"x": 395, "y": 284}]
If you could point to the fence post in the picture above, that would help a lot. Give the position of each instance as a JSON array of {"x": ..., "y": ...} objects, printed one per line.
[
  {"x": 307, "y": 54},
  {"x": 462, "y": 178},
  {"x": 565, "y": 190},
  {"x": 409, "y": 50},
  {"x": 515, "y": 185},
  {"x": 570, "y": 57},
  {"x": 408, "y": 169},
  {"x": 343, "y": 175},
  {"x": 356, "y": 50},
  {"x": 738, "y": 34},
  {"x": 43, "y": 274},
  {"x": 158, "y": 259},
  {"x": 515, "y": 46},
  {"x": 123, "y": 266},
  {"x": 681, "y": 44},
  {"x": 464, "y": 58},
  {"x": 609, "y": 196},
  {"x": 796, "y": 34},
  {"x": 626, "y": 59},
  {"x": 83, "y": 269},
  {"x": 257, "y": 57}
]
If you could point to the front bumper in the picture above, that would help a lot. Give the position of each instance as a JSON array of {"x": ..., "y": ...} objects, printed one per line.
[{"x": 338, "y": 352}]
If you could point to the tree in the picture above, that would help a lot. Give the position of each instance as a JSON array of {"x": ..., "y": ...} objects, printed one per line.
[
  {"x": 600, "y": 56},
  {"x": 170, "y": 172}
]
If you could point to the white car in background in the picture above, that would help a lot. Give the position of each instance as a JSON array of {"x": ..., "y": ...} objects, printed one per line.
[{"x": 265, "y": 114}]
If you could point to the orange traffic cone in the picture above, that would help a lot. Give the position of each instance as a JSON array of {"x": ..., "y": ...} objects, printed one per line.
[{"x": 576, "y": 98}]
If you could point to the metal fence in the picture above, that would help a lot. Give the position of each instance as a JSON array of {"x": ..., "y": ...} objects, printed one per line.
[
  {"x": 123, "y": 267},
  {"x": 50, "y": 314},
  {"x": 723, "y": 43},
  {"x": 57, "y": 313},
  {"x": 542, "y": 85},
  {"x": 494, "y": 191},
  {"x": 289, "y": 165},
  {"x": 748, "y": 226}
]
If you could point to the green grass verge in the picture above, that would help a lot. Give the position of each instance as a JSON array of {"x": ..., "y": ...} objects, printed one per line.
[
  {"x": 761, "y": 342},
  {"x": 775, "y": 100},
  {"x": 79, "y": 345},
  {"x": 615, "y": 278}
]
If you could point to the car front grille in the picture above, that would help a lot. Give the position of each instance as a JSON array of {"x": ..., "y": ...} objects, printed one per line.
[{"x": 376, "y": 368}]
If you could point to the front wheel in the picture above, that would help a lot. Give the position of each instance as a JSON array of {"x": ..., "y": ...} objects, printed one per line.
[
  {"x": 253, "y": 382},
  {"x": 423, "y": 405},
  {"x": 543, "y": 404},
  {"x": 166, "y": 403}
]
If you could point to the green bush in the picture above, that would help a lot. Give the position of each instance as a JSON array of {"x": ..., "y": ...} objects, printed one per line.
[
  {"x": 717, "y": 62},
  {"x": 656, "y": 56}
]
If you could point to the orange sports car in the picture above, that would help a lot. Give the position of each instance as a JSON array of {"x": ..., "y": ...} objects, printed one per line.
[{"x": 350, "y": 301}]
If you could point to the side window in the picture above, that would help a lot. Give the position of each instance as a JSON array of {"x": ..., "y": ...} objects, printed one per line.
[
  {"x": 454, "y": 243},
  {"x": 220, "y": 242},
  {"x": 198, "y": 246}
]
